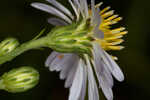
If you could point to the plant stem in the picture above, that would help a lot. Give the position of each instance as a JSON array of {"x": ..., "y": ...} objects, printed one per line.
[{"x": 42, "y": 42}]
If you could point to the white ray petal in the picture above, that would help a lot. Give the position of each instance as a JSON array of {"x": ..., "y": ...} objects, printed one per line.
[
  {"x": 92, "y": 86},
  {"x": 60, "y": 7},
  {"x": 51, "y": 10},
  {"x": 79, "y": 7},
  {"x": 67, "y": 68},
  {"x": 57, "y": 22},
  {"x": 107, "y": 76},
  {"x": 64, "y": 72},
  {"x": 76, "y": 87},
  {"x": 116, "y": 71},
  {"x": 75, "y": 10},
  {"x": 93, "y": 10},
  {"x": 96, "y": 20},
  {"x": 71, "y": 75},
  {"x": 82, "y": 7},
  {"x": 76, "y": 2},
  {"x": 65, "y": 64},
  {"x": 107, "y": 90},
  {"x": 111, "y": 65},
  {"x": 85, "y": 7},
  {"x": 103, "y": 74},
  {"x": 98, "y": 33},
  {"x": 50, "y": 58},
  {"x": 61, "y": 61},
  {"x": 99, "y": 66},
  {"x": 84, "y": 84}
]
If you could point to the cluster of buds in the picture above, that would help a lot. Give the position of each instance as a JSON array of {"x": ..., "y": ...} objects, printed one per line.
[{"x": 19, "y": 79}]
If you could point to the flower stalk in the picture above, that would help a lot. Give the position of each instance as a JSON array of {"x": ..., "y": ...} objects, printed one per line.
[
  {"x": 75, "y": 38},
  {"x": 33, "y": 44}
]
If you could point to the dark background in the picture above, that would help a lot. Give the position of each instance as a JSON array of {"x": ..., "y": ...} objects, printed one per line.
[{"x": 18, "y": 19}]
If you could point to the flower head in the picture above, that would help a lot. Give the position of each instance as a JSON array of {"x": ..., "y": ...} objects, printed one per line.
[
  {"x": 19, "y": 79},
  {"x": 79, "y": 69}
]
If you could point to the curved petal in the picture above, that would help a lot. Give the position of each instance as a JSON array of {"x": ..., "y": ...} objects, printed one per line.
[
  {"x": 92, "y": 86},
  {"x": 60, "y": 7},
  {"x": 99, "y": 66},
  {"x": 71, "y": 75},
  {"x": 115, "y": 69},
  {"x": 61, "y": 61},
  {"x": 84, "y": 6},
  {"x": 57, "y": 22},
  {"x": 70, "y": 61},
  {"x": 103, "y": 74},
  {"x": 50, "y": 58},
  {"x": 107, "y": 90},
  {"x": 110, "y": 64},
  {"x": 76, "y": 87},
  {"x": 84, "y": 84},
  {"x": 75, "y": 9},
  {"x": 96, "y": 20},
  {"x": 51, "y": 10}
]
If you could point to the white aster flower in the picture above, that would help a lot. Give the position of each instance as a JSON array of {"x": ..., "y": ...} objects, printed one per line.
[{"x": 79, "y": 70}]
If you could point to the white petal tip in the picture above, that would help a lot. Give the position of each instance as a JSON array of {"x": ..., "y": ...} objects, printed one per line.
[
  {"x": 119, "y": 76},
  {"x": 34, "y": 4}
]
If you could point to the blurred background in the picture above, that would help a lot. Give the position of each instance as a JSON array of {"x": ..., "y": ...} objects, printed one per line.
[{"x": 18, "y": 19}]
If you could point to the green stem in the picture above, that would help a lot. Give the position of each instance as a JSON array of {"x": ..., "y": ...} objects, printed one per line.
[{"x": 42, "y": 42}]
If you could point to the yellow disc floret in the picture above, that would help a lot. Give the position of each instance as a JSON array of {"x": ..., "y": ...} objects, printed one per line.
[{"x": 112, "y": 37}]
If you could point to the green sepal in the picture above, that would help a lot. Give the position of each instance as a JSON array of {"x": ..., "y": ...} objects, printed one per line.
[{"x": 73, "y": 38}]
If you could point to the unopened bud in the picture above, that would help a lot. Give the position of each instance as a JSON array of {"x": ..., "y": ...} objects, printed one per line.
[
  {"x": 19, "y": 79},
  {"x": 8, "y": 45}
]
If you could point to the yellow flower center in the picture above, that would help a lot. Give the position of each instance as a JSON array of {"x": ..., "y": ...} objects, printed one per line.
[{"x": 112, "y": 36}]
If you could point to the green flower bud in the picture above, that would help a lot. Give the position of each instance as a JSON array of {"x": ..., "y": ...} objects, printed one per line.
[
  {"x": 72, "y": 38},
  {"x": 8, "y": 45},
  {"x": 19, "y": 79}
]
